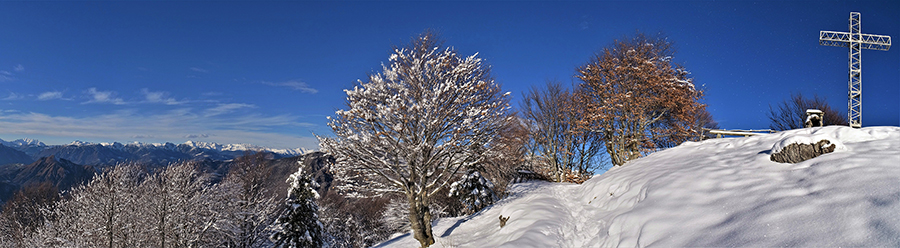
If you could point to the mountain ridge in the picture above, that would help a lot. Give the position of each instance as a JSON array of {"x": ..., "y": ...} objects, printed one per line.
[
  {"x": 105, "y": 154},
  {"x": 9, "y": 155}
]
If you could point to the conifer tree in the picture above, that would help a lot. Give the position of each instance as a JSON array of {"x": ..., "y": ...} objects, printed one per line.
[
  {"x": 474, "y": 191},
  {"x": 298, "y": 225}
]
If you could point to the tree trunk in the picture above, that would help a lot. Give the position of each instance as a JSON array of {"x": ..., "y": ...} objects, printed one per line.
[
  {"x": 420, "y": 220},
  {"x": 615, "y": 146}
]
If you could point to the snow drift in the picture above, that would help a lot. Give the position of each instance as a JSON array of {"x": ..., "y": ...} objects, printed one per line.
[{"x": 720, "y": 192}]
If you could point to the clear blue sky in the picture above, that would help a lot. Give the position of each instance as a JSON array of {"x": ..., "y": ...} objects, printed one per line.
[{"x": 268, "y": 73}]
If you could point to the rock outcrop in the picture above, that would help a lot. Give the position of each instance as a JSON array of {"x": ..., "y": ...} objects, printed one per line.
[{"x": 798, "y": 152}]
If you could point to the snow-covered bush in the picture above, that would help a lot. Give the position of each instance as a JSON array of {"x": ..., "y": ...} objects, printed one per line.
[{"x": 474, "y": 191}]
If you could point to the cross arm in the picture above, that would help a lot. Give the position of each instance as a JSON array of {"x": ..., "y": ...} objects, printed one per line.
[
  {"x": 867, "y": 41},
  {"x": 875, "y": 42},
  {"x": 831, "y": 38}
]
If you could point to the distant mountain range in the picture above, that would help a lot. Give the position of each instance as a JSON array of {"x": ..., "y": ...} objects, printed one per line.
[
  {"x": 64, "y": 174},
  {"x": 106, "y": 154},
  {"x": 61, "y": 173},
  {"x": 9, "y": 155}
]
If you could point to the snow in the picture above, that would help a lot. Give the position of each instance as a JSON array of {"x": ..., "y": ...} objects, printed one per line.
[
  {"x": 80, "y": 143},
  {"x": 715, "y": 193},
  {"x": 22, "y": 142},
  {"x": 169, "y": 146}
]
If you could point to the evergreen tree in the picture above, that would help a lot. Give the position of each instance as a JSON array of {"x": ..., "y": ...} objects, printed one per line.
[
  {"x": 474, "y": 191},
  {"x": 298, "y": 225}
]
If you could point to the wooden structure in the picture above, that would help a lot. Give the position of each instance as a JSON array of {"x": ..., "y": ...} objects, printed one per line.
[{"x": 721, "y": 133}]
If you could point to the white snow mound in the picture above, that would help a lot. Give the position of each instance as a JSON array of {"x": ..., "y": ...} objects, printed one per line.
[{"x": 715, "y": 193}]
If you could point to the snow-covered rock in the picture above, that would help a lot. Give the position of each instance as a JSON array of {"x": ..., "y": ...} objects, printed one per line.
[{"x": 715, "y": 193}]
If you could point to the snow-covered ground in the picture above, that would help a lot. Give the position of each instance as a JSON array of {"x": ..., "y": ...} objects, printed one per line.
[{"x": 720, "y": 192}]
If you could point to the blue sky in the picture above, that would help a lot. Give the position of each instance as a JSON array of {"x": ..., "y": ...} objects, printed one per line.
[{"x": 268, "y": 73}]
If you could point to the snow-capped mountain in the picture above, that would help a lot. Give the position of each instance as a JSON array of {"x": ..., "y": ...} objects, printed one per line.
[
  {"x": 81, "y": 152},
  {"x": 28, "y": 146},
  {"x": 244, "y": 147},
  {"x": 22, "y": 142}
]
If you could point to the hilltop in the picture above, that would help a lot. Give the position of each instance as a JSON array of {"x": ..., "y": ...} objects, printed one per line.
[{"x": 715, "y": 193}]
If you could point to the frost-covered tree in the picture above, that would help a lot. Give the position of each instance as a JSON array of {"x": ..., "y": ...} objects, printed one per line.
[
  {"x": 474, "y": 191},
  {"x": 412, "y": 127},
  {"x": 639, "y": 99},
  {"x": 178, "y": 214},
  {"x": 353, "y": 222},
  {"x": 103, "y": 213},
  {"x": 29, "y": 209},
  {"x": 298, "y": 225},
  {"x": 129, "y": 207},
  {"x": 247, "y": 207}
]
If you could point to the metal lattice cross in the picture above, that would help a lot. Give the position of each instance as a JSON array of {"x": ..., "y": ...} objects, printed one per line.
[{"x": 856, "y": 41}]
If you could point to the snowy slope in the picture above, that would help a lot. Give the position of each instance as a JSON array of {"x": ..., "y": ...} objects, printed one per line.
[{"x": 721, "y": 192}]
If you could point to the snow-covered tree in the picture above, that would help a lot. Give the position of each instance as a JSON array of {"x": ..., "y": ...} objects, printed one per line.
[
  {"x": 410, "y": 128},
  {"x": 128, "y": 207},
  {"x": 177, "y": 214},
  {"x": 104, "y": 212},
  {"x": 353, "y": 222},
  {"x": 298, "y": 225},
  {"x": 475, "y": 191},
  {"x": 639, "y": 99},
  {"x": 29, "y": 209},
  {"x": 247, "y": 207}
]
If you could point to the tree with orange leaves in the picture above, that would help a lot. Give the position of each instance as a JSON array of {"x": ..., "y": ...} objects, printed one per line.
[{"x": 637, "y": 99}]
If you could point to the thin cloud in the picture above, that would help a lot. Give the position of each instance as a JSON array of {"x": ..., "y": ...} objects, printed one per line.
[
  {"x": 198, "y": 69},
  {"x": 19, "y": 68},
  {"x": 171, "y": 126},
  {"x": 97, "y": 96},
  {"x": 295, "y": 85},
  {"x": 5, "y": 76},
  {"x": 159, "y": 97},
  {"x": 12, "y": 96},
  {"x": 50, "y": 95},
  {"x": 225, "y": 108},
  {"x": 194, "y": 136}
]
